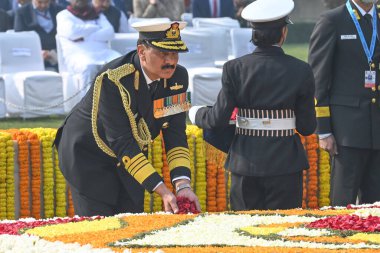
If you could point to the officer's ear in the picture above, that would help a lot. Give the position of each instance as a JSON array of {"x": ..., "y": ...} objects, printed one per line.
[
  {"x": 284, "y": 33},
  {"x": 141, "y": 51}
]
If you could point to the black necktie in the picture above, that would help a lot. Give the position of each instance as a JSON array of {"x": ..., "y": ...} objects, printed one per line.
[
  {"x": 368, "y": 18},
  {"x": 153, "y": 87}
]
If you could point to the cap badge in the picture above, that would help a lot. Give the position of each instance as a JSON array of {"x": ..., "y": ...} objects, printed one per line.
[{"x": 173, "y": 31}]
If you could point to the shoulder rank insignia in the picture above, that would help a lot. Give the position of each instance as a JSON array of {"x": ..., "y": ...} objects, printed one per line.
[
  {"x": 171, "y": 105},
  {"x": 176, "y": 87}
]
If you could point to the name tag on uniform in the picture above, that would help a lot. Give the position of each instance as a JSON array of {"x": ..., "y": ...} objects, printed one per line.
[
  {"x": 348, "y": 37},
  {"x": 369, "y": 79}
]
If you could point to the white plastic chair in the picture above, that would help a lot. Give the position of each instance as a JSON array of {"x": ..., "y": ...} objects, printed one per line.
[
  {"x": 204, "y": 85},
  {"x": 207, "y": 47},
  {"x": 241, "y": 42},
  {"x": 188, "y": 17},
  {"x": 224, "y": 25},
  {"x": 30, "y": 91},
  {"x": 124, "y": 42},
  {"x": 224, "y": 22}
]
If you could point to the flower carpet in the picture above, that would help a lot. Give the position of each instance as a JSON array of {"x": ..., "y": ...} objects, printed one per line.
[{"x": 350, "y": 229}]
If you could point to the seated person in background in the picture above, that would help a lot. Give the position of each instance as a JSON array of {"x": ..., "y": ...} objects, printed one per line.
[
  {"x": 213, "y": 8},
  {"x": 126, "y": 6},
  {"x": 40, "y": 16},
  {"x": 16, "y": 4},
  {"x": 63, "y": 3},
  {"x": 84, "y": 35},
  {"x": 115, "y": 16},
  {"x": 171, "y": 9},
  {"x": 4, "y": 21}
]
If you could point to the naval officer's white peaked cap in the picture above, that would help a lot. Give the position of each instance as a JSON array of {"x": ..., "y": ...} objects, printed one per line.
[
  {"x": 163, "y": 35},
  {"x": 267, "y": 10}
]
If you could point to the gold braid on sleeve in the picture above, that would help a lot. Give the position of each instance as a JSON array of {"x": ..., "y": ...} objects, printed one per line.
[{"x": 140, "y": 131}]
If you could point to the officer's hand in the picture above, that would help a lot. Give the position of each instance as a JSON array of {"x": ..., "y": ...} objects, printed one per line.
[
  {"x": 188, "y": 193},
  {"x": 329, "y": 144},
  {"x": 192, "y": 112},
  {"x": 170, "y": 201}
]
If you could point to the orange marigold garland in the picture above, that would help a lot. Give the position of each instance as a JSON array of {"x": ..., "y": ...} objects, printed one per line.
[
  {"x": 221, "y": 203},
  {"x": 304, "y": 177},
  {"x": 35, "y": 166},
  {"x": 23, "y": 164},
  {"x": 70, "y": 205},
  {"x": 312, "y": 184},
  {"x": 211, "y": 186}
]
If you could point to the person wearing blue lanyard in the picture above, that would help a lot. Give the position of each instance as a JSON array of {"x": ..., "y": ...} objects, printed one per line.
[{"x": 344, "y": 54}]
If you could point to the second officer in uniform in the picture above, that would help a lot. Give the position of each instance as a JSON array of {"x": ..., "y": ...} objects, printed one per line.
[{"x": 274, "y": 94}]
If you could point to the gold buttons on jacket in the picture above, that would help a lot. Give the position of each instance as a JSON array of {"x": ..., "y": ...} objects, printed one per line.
[
  {"x": 378, "y": 87},
  {"x": 373, "y": 88},
  {"x": 373, "y": 100},
  {"x": 145, "y": 148},
  {"x": 165, "y": 125}
]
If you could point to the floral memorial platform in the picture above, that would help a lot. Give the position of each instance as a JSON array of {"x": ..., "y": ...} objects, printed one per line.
[
  {"x": 37, "y": 211},
  {"x": 353, "y": 229}
]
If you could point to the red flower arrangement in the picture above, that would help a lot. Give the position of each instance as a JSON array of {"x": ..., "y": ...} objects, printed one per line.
[
  {"x": 15, "y": 228},
  {"x": 349, "y": 222},
  {"x": 186, "y": 206}
]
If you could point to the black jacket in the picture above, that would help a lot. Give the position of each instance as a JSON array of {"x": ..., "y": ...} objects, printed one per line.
[
  {"x": 267, "y": 79},
  {"x": 339, "y": 63}
]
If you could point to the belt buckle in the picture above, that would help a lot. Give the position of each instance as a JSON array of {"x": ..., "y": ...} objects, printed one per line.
[
  {"x": 266, "y": 121},
  {"x": 242, "y": 121}
]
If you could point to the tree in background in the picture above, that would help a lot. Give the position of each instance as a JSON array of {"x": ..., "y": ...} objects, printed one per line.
[{"x": 330, "y": 4}]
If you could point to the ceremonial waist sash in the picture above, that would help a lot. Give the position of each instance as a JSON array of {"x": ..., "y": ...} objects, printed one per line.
[{"x": 271, "y": 123}]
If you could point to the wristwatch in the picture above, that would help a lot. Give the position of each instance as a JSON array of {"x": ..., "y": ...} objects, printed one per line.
[{"x": 181, "y": 187}]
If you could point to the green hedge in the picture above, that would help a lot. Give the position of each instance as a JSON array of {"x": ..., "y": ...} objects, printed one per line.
[{"x": 300, "y": 33}]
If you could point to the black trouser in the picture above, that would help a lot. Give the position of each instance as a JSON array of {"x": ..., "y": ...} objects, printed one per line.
[
  {"x": 266, "y": 193},
  {"x": 85, "y": 206},
  {"x": 355, "y": 171}
]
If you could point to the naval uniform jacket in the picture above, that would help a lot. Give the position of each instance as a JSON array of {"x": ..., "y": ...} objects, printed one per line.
[
  {"x": 267, "y": 79},
  {"x": 97, "y": 175},
  {"x": 344, "y": 106}
]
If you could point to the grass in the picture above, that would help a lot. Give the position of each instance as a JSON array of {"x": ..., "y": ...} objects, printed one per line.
[
  {"x": 299, "y": 51},
  {"x": 46, "y": 122}
]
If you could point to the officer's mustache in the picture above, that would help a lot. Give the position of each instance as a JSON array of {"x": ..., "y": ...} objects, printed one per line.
[{"x": 168, "y": 66}]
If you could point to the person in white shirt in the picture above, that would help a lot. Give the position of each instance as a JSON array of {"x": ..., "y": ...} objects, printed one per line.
[
  {"x": 115, "y": 16},
  {"x": 84, "y": 35}
]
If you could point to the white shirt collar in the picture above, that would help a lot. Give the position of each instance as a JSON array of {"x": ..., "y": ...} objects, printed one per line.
[
  {"x": 147, "y": 79},
  {"x": 363, "y": 12}
]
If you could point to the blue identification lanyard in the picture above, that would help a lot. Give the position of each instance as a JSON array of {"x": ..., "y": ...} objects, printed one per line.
[{"x": 368, "y": 51}]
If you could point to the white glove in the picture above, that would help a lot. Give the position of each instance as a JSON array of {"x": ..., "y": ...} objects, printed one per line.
[{"x": 193, "y": 111}]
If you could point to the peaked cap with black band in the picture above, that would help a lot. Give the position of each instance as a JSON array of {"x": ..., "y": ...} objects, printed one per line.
[
  {"x": 267, "y": 14},
  {"x": 165, "y": 36}
]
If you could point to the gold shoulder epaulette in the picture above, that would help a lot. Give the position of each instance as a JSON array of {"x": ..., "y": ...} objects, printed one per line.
[{"x": 118, "y": 73}]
